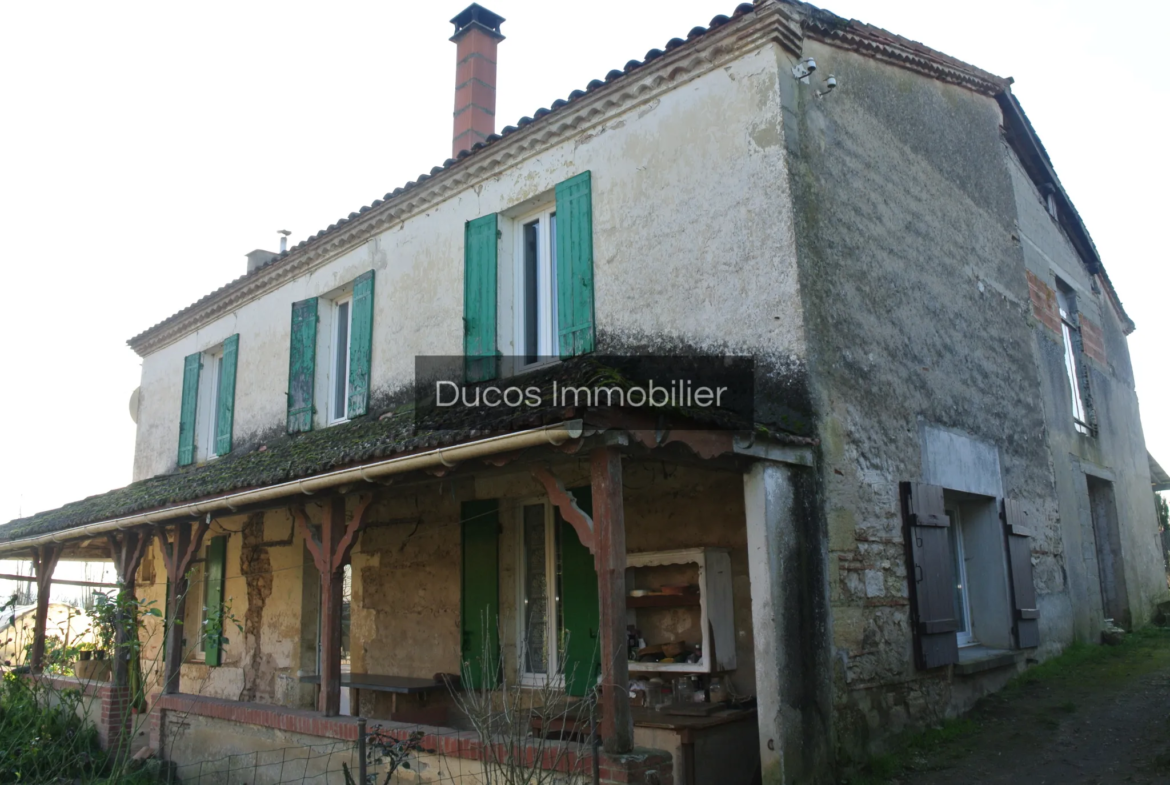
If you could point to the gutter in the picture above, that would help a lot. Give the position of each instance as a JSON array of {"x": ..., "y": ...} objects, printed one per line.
[{"x": 445, "y": 457}]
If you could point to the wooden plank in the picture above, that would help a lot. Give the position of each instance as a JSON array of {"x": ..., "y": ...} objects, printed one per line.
[
  {"x": 664, "y": 601},
  {"x": 617, "y": 729},
  {"x": 178, "y": 554},
  {"x": 402, "y": 685},
  {"x": 127, "y": 548}
]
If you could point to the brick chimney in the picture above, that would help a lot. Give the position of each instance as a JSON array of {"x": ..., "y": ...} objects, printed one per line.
[{"x": 477, "y": 34}]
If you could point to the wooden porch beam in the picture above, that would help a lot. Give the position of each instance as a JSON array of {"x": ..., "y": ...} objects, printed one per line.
[
  {"x": 127, "y": 548},
  {"x": 178, "y": 554},
  {"x": 617, "y": 727},
  {"x": 566, "y": 504},
  {"x": 44, "y": 562},
  {"x": 331, "y": 551}
]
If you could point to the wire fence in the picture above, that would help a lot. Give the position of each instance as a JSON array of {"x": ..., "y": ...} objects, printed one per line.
[{"x": 404, "y": 755}]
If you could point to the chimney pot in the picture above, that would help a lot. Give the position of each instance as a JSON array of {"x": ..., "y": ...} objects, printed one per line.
[
  {"x": 477, "y": 34},
  {"x": 259, "y": 258}
]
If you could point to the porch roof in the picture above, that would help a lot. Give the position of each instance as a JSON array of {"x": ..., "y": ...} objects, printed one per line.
[{"x": 367, "y": 440}]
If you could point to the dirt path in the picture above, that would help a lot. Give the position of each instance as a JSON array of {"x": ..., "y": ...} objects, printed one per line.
[{"x": 1094, "y": 715}]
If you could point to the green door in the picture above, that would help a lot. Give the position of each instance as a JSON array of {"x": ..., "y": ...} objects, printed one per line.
[
  {"x": 580, "y": 605},
  {"x": 480, "y": 650}
]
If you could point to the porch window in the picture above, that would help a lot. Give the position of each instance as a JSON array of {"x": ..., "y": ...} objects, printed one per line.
[{"x": 542, "y": 621}]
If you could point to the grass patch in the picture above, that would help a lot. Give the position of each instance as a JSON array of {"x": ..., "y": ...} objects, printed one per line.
[{"x": 1026, "y": 699}]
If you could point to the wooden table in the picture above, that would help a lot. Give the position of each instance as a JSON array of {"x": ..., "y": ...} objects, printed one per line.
[
  {"x": 692, "y": 729},
  {"x": 395, "y": 685}
]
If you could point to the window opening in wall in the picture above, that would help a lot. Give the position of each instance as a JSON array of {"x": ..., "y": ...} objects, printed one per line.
[
  {"x": 1107, "y": 537},
  {"x": 196, "y": 610},
  {"x": 536, "y": 264},
  {"x": 339, "y": 367},
  {"x": 541, "y": 616},
  {"x": 959, "y": 559},
  {"x": 1066, "y": 301}
]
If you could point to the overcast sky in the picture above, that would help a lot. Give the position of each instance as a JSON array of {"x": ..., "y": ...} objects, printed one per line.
[{"x": 146, "y": 147}]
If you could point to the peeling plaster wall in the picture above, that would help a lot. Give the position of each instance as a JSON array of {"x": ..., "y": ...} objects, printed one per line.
[
  {"x": 917, "y": 313},
  {"x": 262, "y": 594},
  {"x": 693, "y": 248}
]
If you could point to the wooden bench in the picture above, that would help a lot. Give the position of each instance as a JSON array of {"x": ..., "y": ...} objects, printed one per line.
[{"x": 419, "y": 712}]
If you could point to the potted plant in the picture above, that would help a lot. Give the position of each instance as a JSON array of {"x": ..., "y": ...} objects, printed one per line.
[{"x": 97, "y": 666}]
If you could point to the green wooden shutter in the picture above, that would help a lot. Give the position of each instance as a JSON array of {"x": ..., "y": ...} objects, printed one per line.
[
  {"x": 480, "y": 606},
  {"x": 302, "y": 365},
  {"x": 187, "y": 412},
  {"x": 580, "y": 604},
  {"x": 213, "y": 598},
  {"x": 226, "y": 396},
  {"x": 361, "y": 334},
  {"x": 575, "y": 265},
  {"x": 480, "y": 251}
]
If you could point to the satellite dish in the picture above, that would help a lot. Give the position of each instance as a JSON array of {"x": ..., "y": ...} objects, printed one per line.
[{"x": 135, "y": 397}]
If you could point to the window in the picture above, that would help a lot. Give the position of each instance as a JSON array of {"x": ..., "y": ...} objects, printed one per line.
[
  {"x": 538, "y": 305},
  {"x": 1070, "y": 334},
  {"x": 959, "y": 560},
  {"x": 203, "y": 613},
  {"x": 339, "y": 363},
  {"x": 208, "y": 404},
  {"x": 541, "y": 620},
  {"x": 329, "y": 369},
  {"x": 536, "y": 289}
]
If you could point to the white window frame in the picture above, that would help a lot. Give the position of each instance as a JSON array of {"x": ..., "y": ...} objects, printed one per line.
[
  {"x": 553, "y": 634},
  {"x": 1064, "y": 306},
  {"x": 965, "y": 635},
  {"x": 207, "y": 406},
  {"x": 337, "y": 349},
  {"x": 547, "y": 350}
]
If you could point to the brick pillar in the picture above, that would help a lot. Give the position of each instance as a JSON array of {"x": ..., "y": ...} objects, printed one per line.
[
  {"x": 116, "y": 727},
  {"x": 477, "y": 34},
  {"x": 639, "y": 767}
]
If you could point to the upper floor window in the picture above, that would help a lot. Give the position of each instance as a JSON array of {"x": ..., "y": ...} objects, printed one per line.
[
  {"x": 1074, "y": 369},
  {"x": 547, "y": 284},
  {"x": 341, "y": 381},
  {"x": 339, "y": 364},
  {"x": 535, "y": 271},
  {"x": 208, "y": 402}
]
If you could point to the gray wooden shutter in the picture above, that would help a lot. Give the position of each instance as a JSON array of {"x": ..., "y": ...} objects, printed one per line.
[
  {"x": 575, "y": 265},
  {"x": 1025, "y": 616},
  {"x": 361, "y": 333},
  {"x": 225, "y": 405},
  {"x": 188, "y": 409},
  {"x": 931, "y": 575},
  {"x": 302, "y": 358},
  {"x": 480, "y": 251}
]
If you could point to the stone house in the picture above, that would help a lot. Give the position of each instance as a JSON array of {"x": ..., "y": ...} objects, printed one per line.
[{"x": 946, "y": 480}]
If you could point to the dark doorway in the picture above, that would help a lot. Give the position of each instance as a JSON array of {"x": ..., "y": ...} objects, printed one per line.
[{"x": 1110, "y": 567}]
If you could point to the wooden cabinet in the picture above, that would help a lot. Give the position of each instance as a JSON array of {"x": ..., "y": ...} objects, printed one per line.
[{"x": 705, "y": 617}]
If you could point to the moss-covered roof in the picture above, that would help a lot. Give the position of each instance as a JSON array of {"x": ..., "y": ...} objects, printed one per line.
[{"x": 393, "y": 431}]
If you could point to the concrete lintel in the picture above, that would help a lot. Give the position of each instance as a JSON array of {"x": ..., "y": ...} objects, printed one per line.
[{"x": 770, "y": 451}]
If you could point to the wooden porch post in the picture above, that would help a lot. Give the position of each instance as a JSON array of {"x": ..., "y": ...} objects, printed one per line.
[
  {"x": 617, "y": 727},
  {"x": 44, "y": 563},
  {"x": 127, "y": 549},
  {"x": 178, "y": 554},
  {"x": 330, "y": 553}
]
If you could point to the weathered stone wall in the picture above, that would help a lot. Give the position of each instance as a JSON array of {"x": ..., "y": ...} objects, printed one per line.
[
  {"x": 1116, "y": 453},
  {"x": 916, "y": 309}
]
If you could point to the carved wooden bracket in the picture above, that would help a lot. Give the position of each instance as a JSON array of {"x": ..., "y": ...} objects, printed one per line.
[
  {"x": 566, "y": 503},
  {"x": 332, "y": 546},
  {"x": 179, "y": 550},
  {"x": 127, "y": 549}
]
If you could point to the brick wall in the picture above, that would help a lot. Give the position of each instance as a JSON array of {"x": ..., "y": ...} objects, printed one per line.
[
  {"x": 1044, "y": 306},
  {"x": 1092, "y": 340}
]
